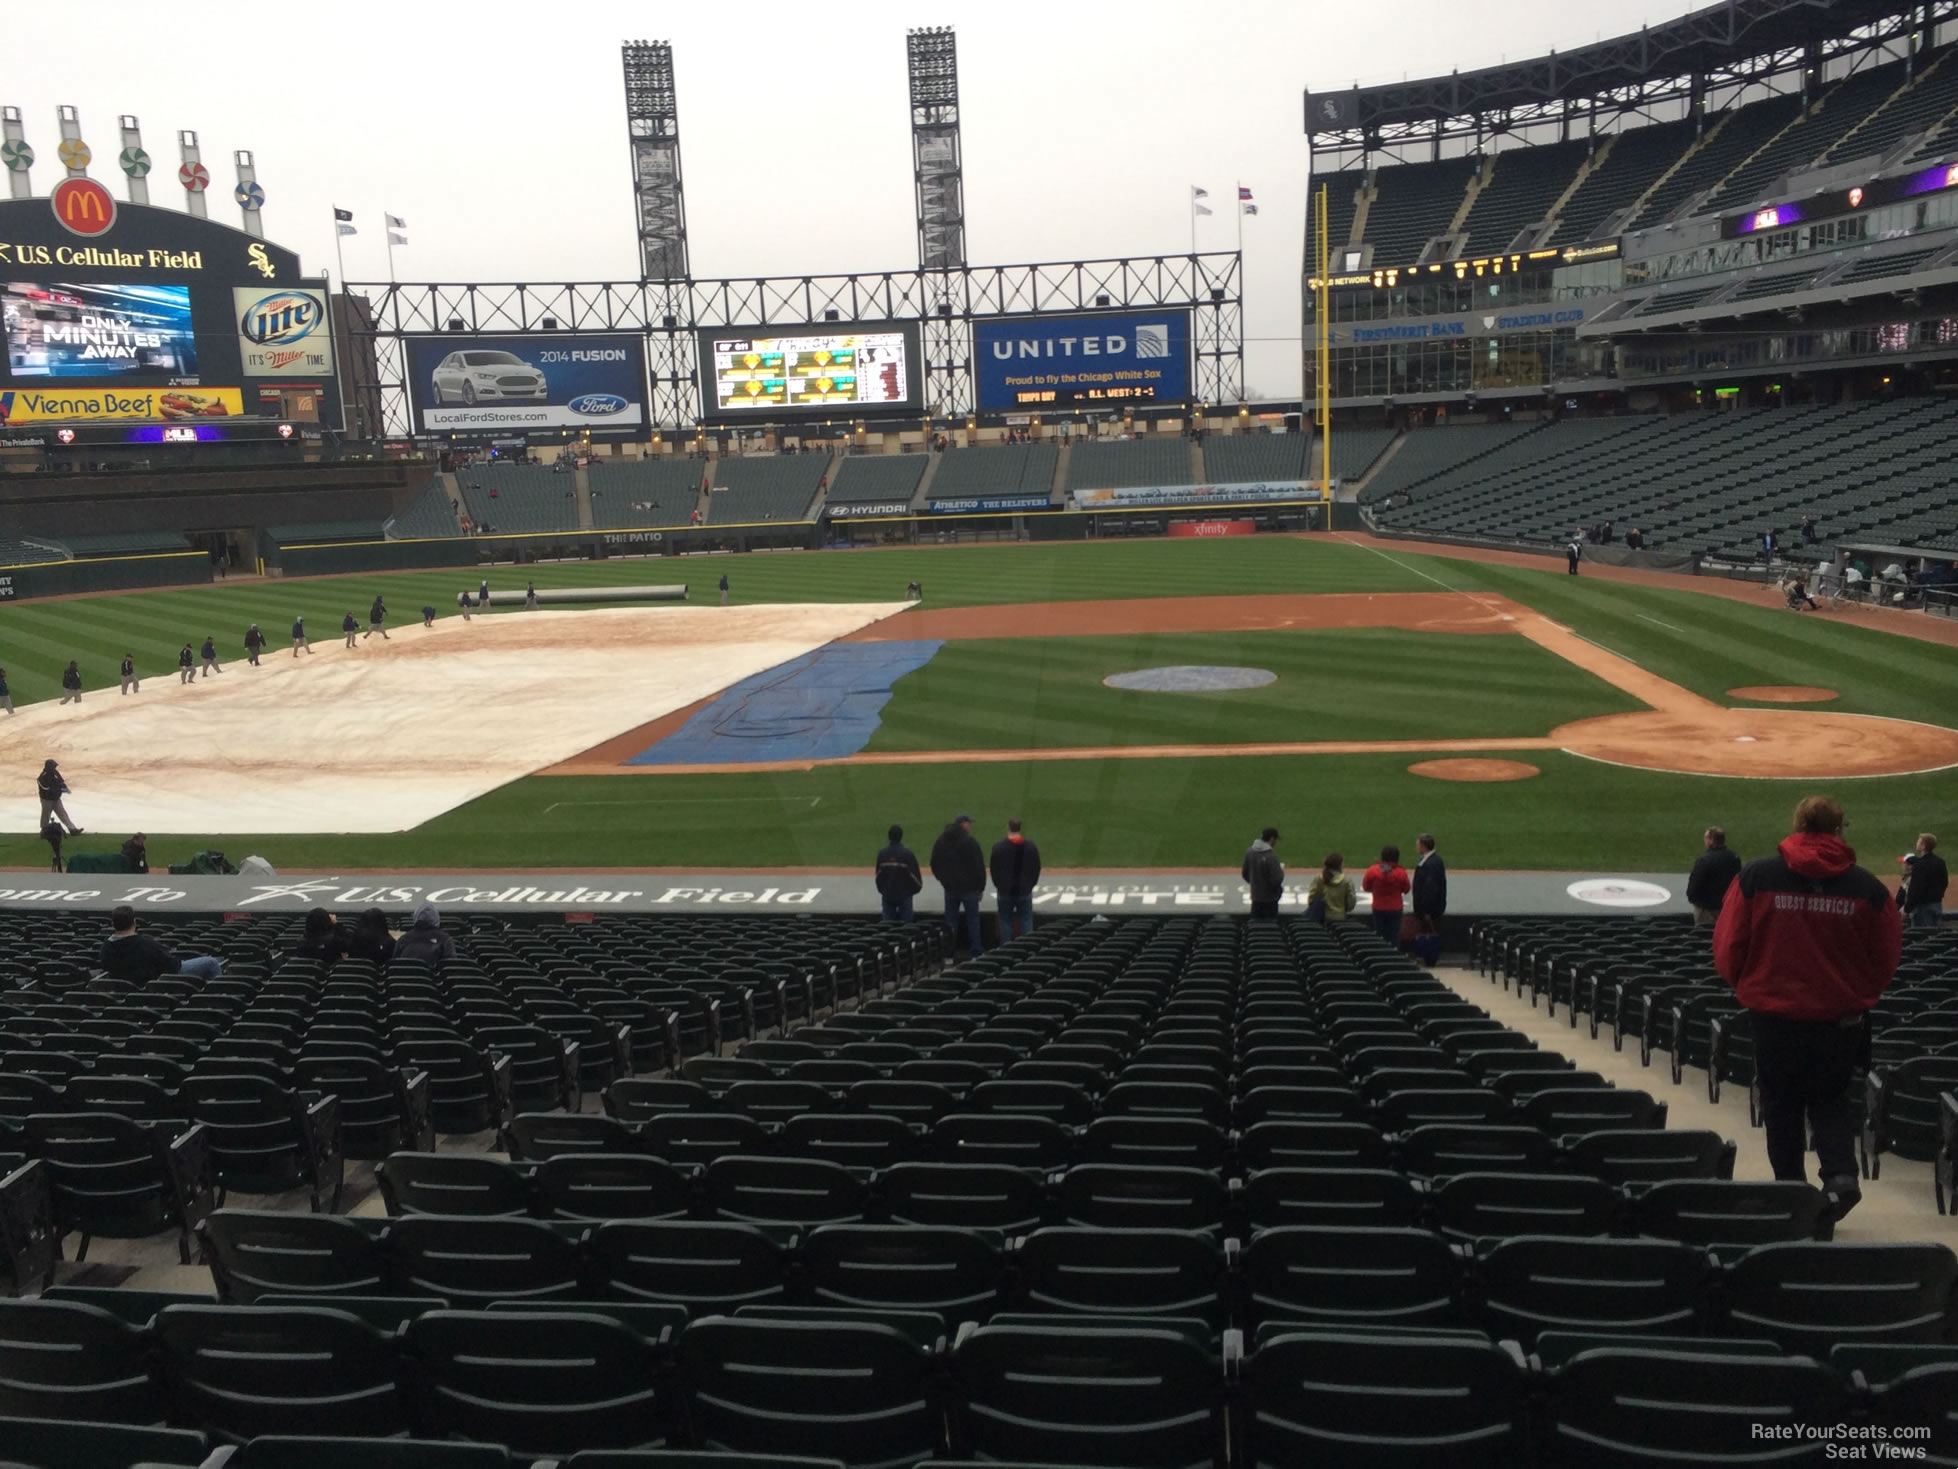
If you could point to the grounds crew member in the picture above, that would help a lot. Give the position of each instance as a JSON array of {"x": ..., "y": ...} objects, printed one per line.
[
  {"x": 254, "y": 641},
  {"x": 1713, "y": 873},
  {"x": 210, "y": 655},
  {"x": 960, "y": 868},
  {"x": 299, "y": 639},
  {"x": 1265, "y": 873},
  {"x": 350, "y": 628},
  {"x": 71, "y": 683},
  {"x": 129, "y": 679},
  {"x": 377, "y": 620},
  {"x": 428, "y": 614},
  {"x": 6, "y": 694},
  {"x": 530, "y": 596},
  {"x": 186, "y": 665},
  {"x": 52, "y": 788},
  {"x": 898, "y": 878},
  {"x": 1809, "y": 941}
]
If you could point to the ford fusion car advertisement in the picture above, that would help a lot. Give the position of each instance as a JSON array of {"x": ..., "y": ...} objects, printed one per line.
[{"x": 467, "y": 384}]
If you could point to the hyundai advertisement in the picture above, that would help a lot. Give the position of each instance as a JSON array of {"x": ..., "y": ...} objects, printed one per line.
[
  {"x": 510, "y": 384},
  {"x": 62, "y": 332},
  {"x": 1027, "y": 363}
]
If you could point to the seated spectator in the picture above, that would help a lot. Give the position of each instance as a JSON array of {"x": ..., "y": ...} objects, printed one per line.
[
  {"x": 370, "y": 938},
  {"x": 52, "y": 834},
  {"x": 321, "y": 939},
  {"x": 136, "y": 958},
  {"x": 424, "y": 942},
  {"x": 136, "y": 853}
]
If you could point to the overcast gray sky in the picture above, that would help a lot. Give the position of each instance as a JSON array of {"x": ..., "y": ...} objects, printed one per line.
[{"x": 498, "y": 131}]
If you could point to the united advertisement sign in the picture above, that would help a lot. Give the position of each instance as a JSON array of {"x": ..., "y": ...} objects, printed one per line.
[{"x": 1027, "y": 363}]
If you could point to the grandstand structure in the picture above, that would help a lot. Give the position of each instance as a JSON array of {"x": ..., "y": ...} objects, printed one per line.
[{"x": 1751, "y": 192}]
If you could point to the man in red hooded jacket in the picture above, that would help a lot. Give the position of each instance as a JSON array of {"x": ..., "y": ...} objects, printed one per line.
[{"x": 1809, "y": 940}]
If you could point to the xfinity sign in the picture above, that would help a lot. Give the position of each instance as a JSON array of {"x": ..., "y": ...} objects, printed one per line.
[{"x": 1025, "y": 364}]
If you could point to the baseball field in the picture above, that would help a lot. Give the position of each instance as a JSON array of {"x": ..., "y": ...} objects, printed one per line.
[{"x": 1531, "y": 719}]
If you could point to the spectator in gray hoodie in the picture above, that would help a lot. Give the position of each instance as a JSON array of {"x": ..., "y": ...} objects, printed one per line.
[
  {"x": 1265, "y": 873},
  {"x": 424, "y": 942}
]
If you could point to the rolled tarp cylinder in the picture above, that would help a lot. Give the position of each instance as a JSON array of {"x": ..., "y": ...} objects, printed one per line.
[{"x": 574, "y": 596}]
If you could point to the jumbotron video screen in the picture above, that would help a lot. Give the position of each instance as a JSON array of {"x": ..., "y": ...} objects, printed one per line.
[{"x": 844, "y": 369}]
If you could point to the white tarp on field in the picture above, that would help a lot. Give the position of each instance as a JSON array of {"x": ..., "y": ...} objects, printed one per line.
[{"x": 387, "y": 735}]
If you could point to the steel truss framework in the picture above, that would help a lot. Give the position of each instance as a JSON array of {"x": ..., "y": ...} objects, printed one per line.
[
  {"x": 945, "y": 302},
  {"x": 1721, "y": 54},
  {"x": 653, "y": 129}
]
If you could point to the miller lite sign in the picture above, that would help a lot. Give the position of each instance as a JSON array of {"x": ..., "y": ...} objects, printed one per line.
[{"x": 283, "y": 333}]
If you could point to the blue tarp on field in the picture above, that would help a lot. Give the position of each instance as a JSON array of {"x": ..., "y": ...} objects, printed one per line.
[{"x": 821, "y": 706}]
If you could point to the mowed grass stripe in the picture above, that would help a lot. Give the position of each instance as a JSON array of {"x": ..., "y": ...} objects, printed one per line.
[{"x": 1364, "y": 684}]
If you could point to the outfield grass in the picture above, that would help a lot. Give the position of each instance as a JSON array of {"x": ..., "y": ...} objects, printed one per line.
[
  {"x": 1194, "y": 813},
  {"x": 1358, "y": 684}
]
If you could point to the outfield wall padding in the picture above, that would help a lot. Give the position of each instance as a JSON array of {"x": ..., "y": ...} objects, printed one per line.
[{"x": 104, "y": 574}]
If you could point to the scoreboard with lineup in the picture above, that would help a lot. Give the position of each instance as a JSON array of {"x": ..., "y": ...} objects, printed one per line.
[{"x": 849, "y": 369}]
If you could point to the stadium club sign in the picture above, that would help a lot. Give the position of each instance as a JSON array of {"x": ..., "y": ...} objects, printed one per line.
[
  {"x": 1241, "y": 494},
  {"x": 1476, "y": 324}
]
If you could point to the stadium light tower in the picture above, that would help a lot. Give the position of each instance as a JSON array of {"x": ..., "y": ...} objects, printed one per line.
[
  {"x": 935, "y": 156},
  {"x": 653, "y": 126}
]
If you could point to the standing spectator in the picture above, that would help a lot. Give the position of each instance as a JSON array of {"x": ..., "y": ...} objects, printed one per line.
[
  {"x": 1809, "y": 941},
  {"x": 299, "y": 639},
  {"x": 321, "y": 939},
  {"x": 350, "y": 628},
  {"x": 1925, "y": 879},
  {"x": 1634, "y": 539},
  {"x": 52, "y": 788},
  {"x": 428, "y": 614},
  {"x": 1264, "y": 873},
  {"x": 377, "y": 621},
  {"x": 424, "y": 942},
  {"x": 6, "y": 693},
  {"x": 1713, "y": 873},
  {"x": 138, "y": 959},
  {"x": 1331, "y": 897},
  {"x": 254, "y": 644},
  {"x": 960, "y": 868},
  {"x": 1574, "y": 553},
  {"x": 186, "y": 665},
  {"x": 1388, "y": 882},
  {"x": 71, "y": 683},
  {"x": 209, "y": 653},
  {"x": 1769, "y": 545},
  {"x": 530, "y": 596},
  {"x": 1016, "y": 873},
  {"x": 724, "y": 589},
  {"x": 1809, "y": 536},
  {"x": 1430, "y": 895},
  {"x": 52, "y": 834},
  {"x": 898, "y": 878},
  {"x": 129, "y": 679},
  {"x": 370, "y": 939}
]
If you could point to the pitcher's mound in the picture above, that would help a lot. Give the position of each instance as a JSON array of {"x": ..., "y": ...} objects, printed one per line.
[
  {"x": 1474, "y": 770},
  {"x": 1192, "y": 678},
  {"x": 1783, "y": 693}
]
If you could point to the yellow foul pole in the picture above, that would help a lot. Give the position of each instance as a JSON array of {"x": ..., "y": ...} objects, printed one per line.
[{"x": 1325, "y": 372}]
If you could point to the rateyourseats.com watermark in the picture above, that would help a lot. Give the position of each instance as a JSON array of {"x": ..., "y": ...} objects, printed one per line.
[{"x": 1852, "y": 1441}]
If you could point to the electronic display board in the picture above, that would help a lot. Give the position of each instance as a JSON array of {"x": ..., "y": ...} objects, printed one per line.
[
  {"x": 1101, "y": 360},
  {"x": 58, "y": 331},
  {"x": 552, "y": 381},
  {"x": 835, "y": 368}
]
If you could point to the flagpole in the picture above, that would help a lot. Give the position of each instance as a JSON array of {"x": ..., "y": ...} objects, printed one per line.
[
  {"x": 387, "y": 220},
  {"x": 338, "y": 257},
  {"x": 1240, "y": 225},
  {"x": 1193, "y": 225}
]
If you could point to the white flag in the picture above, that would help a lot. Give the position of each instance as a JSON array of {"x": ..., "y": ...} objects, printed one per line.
[
  {"x": 395, "y": 239},
  {"x": 1196, "y": 193},
  {"x": 1200, "y": 209},
  {"x": 396, "y": 222},
  {"x": 347, "y": 229}
]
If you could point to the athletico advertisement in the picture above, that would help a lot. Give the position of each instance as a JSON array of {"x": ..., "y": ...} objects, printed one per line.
[
  {"x": 467, "y": 384},
  {"x": 119, "y": 405},
  {"x": 97, "y": 331},
  {"x": 283, "y": 333},
  {"x": 1081, "y": 361}
]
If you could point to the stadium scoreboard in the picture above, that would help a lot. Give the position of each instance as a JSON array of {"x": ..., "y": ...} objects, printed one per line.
[{"x": 835, "y": 369}]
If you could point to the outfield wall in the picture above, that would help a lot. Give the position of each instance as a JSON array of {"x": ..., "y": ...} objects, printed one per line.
[{"x": 103, "y": 574}]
